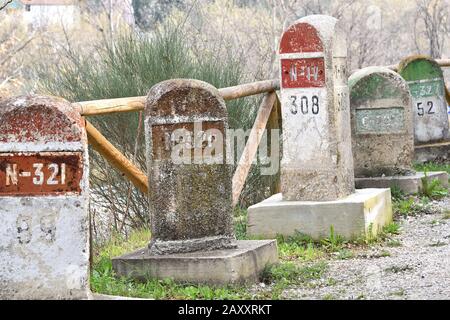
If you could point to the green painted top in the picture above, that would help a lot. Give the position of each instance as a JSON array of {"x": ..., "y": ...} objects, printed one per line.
[
  {"x": 376, "y": 83},
  {"x": 419, "y": 68}
]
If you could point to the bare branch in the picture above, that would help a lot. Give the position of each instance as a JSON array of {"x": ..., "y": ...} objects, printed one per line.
[
  {"x": 3, "y": 6},
  {"x": 16, "y": 50}
]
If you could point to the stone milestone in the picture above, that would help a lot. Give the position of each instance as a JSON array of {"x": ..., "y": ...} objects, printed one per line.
[
  {"x": 383, "y": 132},
  {"x": 317, "y": 162},
  {"x": 44, "y": 195},
  {"x": 189, "y": 178},
  {"x": 318, "y": 194},
  {"x": 426, "y": 83},
  {"x": 190, "y": 193},
  {"x": 382, "y": 123}
]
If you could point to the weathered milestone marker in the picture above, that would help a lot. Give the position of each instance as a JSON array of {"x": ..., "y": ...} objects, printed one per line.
[
  {"x": 44, "y": 194},
  {"x": 426, "y": 83},
  {"x": 317, "y": 177},
  {"x": 186, "y": 127},
  {"x": 382, "y": 123},
  {"x": 317, "y": 157},
  {"x": 189, "y": 178}
]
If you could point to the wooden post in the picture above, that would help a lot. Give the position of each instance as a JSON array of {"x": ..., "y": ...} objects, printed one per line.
[
  {"x": 447, "y": 94},
  {"x": 116, "y": 158},
  {"x": 274, "y": 122},
  {"x": 251, "y": 147}
]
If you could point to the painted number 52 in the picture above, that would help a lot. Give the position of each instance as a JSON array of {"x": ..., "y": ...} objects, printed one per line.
[{"x": 425, "y": 107}]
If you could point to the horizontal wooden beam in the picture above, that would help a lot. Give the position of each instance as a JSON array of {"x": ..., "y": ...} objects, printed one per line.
[
  {"x": 116, "y": 158},
  {"x": 249, "y": 89},
  {"x": 105, "y": 106}
]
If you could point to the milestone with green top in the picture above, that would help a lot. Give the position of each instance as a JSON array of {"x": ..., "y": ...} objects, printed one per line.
[{"x": 426, "y": 83}]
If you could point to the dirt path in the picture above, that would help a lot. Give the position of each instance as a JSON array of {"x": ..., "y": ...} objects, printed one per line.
[{"x": 415, "y": 265}]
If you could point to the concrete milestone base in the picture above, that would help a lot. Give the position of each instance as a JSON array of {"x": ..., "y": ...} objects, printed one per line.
[
  {"x": 437, "y": 151},
  {"x": 408, "y": 184},
  {"x": 350, "y": 217},
  {"x": 240, "y": 265}
]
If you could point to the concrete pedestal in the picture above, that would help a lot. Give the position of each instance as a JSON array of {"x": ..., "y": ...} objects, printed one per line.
[
  {"x": 408, "y": 184},
  {"x": 362, "y": 213},
  {"x": 240, "y": 265},
  {"x": 438, "y": 151}
]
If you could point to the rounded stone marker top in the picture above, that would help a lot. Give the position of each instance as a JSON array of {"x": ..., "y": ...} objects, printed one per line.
[
  {"x": 169, "y": 99},
  {"x": 308, "y": 34},
  {"x": 41, "y": 119},
  {"x": 382, "y": 123},
  {"x": 377, "y": 83},
  {"x": 419, "y": 67}
]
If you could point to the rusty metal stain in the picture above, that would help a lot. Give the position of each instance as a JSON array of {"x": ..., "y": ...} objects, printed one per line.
[
  {"x": 35, "y": 118},
  {"x": 37, "y": 174},
  {"x": 303, "y": 73},
  {"x": 162, "y": 138},
  {"x": 301, "y": 37}
]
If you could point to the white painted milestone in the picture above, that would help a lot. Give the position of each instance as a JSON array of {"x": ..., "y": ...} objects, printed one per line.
[
  {"x": 44, "y": 194},
  {"x": 317, "y": 160}
]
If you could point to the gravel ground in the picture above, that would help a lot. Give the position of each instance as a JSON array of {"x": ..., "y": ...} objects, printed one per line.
[{"x": 417, "y": 268}]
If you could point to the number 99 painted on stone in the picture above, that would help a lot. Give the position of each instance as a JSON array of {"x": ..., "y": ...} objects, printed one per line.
[{"x": 44, "y": 194}]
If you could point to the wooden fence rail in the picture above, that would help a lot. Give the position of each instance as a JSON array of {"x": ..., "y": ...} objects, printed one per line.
[
  {"x": 105, "y": 106},
  {"x": 116, "y": 158}
]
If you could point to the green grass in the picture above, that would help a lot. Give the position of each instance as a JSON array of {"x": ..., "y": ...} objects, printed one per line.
[
  {"x": 345, "y": 254},
  {"x": 289, "y": 273},
  {"x": 399, "y": 293},
  {"x": 302, "y": 260},
  {"x": 328, "y": 296},
  {"x": 103, "y": 279},
  {"x": 411, "y": 206},
  {"x": 299, "y": 247},
  {"x": 446, "y": 215},
  {"x": 391, "y": 228},
  {"x": 397, "y": 193},
  {"x": 432, "y": 189},
  {"x": 294, "y": 274},
  {"x": 393, "y": 243},
  {"x": 334, "y": 242},
  {"x": 431, "y": 166},
  {"x": 384, "y": 253},
  {"x": 240, "y": 223},
  {"x": 278, "y": 277}
]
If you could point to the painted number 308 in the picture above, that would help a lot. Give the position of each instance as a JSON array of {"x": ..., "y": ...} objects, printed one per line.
[{"x": 304, "y": 105}]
